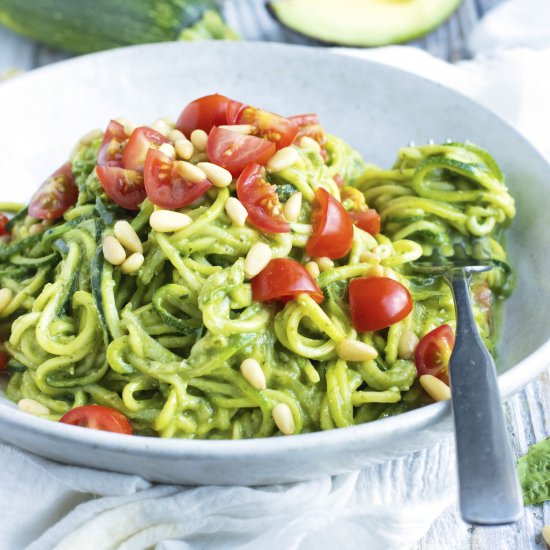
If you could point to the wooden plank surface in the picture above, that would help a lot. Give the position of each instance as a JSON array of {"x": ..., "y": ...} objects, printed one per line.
[{"x": 527, "y": 412}]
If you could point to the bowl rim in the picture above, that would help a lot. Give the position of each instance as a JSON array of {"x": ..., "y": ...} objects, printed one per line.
[{"x": 510, "y": 381}]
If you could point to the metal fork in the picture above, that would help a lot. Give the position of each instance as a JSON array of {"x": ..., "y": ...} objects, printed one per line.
[{"x": 488, "y": 483}]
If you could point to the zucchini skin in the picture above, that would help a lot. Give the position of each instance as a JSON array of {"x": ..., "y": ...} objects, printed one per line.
[{"x": 83, "y": 26}]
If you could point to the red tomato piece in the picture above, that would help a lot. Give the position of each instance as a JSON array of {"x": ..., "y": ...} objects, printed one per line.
[
  {"x": 340, "y": 182},
  {"x": 277, "y": 129},
  {"x": 3, "y": 221},
  {"x": 234, "y": 151},
  {"x": 141, "y": 140},
  {"x": 261, "y": 201},
  {"x": 332, "y": 227},
  {"x": 284, "y": 279},
  {"x": 232, "y": 111},
  {"x": 433, "y": 352},
  {"x": 125, "y": 187},
  {"x": 55, "y": 196},
  {"x": 377, "y": 302},
  {"x": 98, "y": 417},
  {"x": 203, "y": 114},
  {"x": 368, "y": 220},
  {"x": 112, "y": 145},
  {"x": 305, "y": 120},
  {"x": 165, "y": 186}
]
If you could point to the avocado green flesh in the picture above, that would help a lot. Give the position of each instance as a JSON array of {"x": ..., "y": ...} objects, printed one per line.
[{"x": 362, "y": 22}]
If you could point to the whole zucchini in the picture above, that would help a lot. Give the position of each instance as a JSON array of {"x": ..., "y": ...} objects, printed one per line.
[{"x": 82, "y": 26}]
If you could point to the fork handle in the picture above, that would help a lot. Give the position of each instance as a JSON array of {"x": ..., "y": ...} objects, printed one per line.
[{"x": 489, "y": 488}]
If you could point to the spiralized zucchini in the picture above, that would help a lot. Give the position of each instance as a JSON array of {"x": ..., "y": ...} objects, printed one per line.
[{"x": 164, "y": 345}]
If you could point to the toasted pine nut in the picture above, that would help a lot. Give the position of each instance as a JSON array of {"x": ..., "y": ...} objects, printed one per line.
[
  {"x": 161, "y": 127},
  {"x": 127, "y": 237},
  {"x": 129, "y": 128},
  {"x": 218, "y": 176},
  {"x": 244, "y": 129},
  {"x": 292, "y": 207},
  {"x": 313, "y": 269},
  {"x": 113, "y": 251},
  {"x": 168, "y": 149},
  {"x": 257, "y": 258},
  {"x": 309, "y": 143},
  {"x": 324, "y": 263},
  {"x": 168, "y": 121},
  {"x": 375, "y": 271},
  {"x": 175, "y": 135},
  {"x": 236, "y": 211},
  {"x": 283, "y": 418},
  {"x": 32, "y": 407},
  {"x": 6, "y": 296},
  {"x": 189, "y": 171},
  {"x": 355, "y": 350},
  {"x": 167, "y": 221},
  {"x": 435, "y": 388},
  {"x": 132, "y": 263},
  {"x": 184, "y": 148},
  {"x": 407, "y": 344},
  {"x": 199, "y": 139},
  {"x": 546, "y": 534},
  {"x": 254, "y": 374},
  {"x": 369, "y": 257},
  {"x": 282, "y": 159},
  {"x": 91, "y": 136}
]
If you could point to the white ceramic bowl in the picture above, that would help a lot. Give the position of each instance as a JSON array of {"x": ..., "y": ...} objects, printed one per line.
[{"x": 374, "y": 107}]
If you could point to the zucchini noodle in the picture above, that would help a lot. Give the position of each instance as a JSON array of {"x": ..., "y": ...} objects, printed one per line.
[{"x": 164, "y": 345}]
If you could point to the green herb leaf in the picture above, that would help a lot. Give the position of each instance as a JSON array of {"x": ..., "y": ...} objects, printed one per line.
[{"x": 534, "y": 473}]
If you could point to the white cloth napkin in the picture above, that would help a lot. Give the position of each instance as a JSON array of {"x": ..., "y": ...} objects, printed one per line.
[{"x": 44, "y": 505}]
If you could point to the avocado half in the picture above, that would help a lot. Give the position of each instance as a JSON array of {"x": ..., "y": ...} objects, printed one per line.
[{"x": 362, "y": 22}]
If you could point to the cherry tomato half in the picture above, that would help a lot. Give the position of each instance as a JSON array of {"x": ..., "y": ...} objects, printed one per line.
[
  {"x": 377, "y": 302},
  {"x": 3, "y": 221},
  {"x": 203, "y": 113},
  {"x": 332, "y": 227},
  {"x": 141, "y": 140},
  {"x": 283, "y": 279},
  {"x": 261, "y": 201},
  {"x": 368, "y": 220},
  {"x": 433, "y": 352},
  {"x": 98, "y": 417},
  {"x": 277, "y": 129},
  {"x": 125, "y": 187},
  {"x": 234, "y": 151},
  {"x": 165, "y": 186},
  {"x": 55, "y": 196},
  {"x": 112, "y": 145}
]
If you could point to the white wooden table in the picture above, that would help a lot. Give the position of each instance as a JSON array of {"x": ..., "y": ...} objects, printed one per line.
[{"x": 528, "y": 413}]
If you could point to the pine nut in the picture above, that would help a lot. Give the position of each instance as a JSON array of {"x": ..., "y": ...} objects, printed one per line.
[
  {"x": 168, "y": 121},
  {"x": 129, "y": 128},
  {"x": 161, "y": 127},
  {"x": 293, "y": 207},
  {"x": 236, "y": 211},
  {"x": 167, "y": 221},
  {"x": 32, "y": 407},
  {"x": 113, "y": 251},
  {"x": 407, "y": 344},
  {"x": 168, "y": 149},
  {"x": 175, "y": 135},
  {"x": 133, "y": 263},
  {"x": 199, "y": 157},
  {"x": 435, "y": 388},
  {"x": 324, "y": 263},
  {"x": 189, "y": 171},
  {"x": 218, "y": 176},
  {"x": 309, "y": 143},
  {"x": 184, "y": 148},
  {"x": 36, "y": 229},
  {"x": 257, "y": 258},
  {"x": 254, "y": 374},
  {"x": 282, "y": 159},
  {"x": 199, "y": 139},
  {"x": 355, "y": 350},
  {"x": 369, "y": 257},
  {"x": 127, "y": 237},
  {"x": 375, "y": 271},
  {"x": 283, "y": 418},
  {"x": 122, "y": 120},
  {"x": 313, "y": 269},
  {"x": 245, "y": 129},
  {"x": 91, "y": 136},
  {"x": 546, "y": 534},
  {"x": 6, "y": 296}
]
